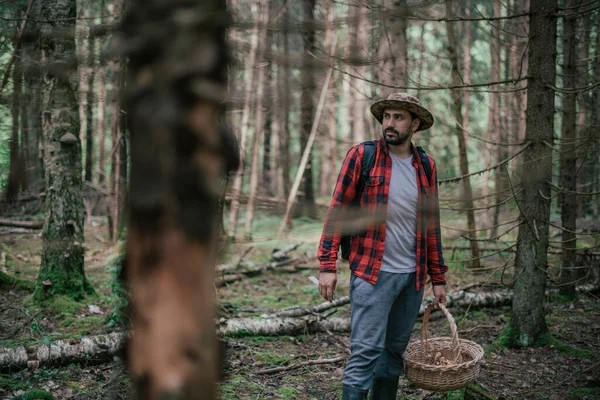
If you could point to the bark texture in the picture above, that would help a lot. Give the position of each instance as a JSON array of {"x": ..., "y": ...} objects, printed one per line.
[
  {"x": 527, "y": 319},
  {"x": 180, "y": 154},
  {"x": 62, "y": 253}
]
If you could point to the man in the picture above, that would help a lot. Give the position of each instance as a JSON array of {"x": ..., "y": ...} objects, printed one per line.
[{"x": 392, "y": 255}]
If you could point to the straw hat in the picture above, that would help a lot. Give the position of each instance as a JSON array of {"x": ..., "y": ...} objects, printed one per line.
[{"x": 404, "y": 101}]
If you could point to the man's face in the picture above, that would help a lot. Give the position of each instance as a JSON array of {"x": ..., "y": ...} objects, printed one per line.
[{"x": 398, "y": 126}]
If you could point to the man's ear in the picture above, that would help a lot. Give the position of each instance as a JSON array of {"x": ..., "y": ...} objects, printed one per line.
[{"x": 416, "y": 124}]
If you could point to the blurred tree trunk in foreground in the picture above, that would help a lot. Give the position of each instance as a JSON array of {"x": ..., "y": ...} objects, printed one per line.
[
  {"x": 528, "y": 321},
  {"x": 176, "y": 91}
]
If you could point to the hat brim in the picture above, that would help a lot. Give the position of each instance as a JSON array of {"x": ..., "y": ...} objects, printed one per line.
[{"x": 421, "y": 112}]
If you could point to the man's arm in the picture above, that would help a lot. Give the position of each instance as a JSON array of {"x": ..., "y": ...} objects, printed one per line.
[
  {"x": 435, "y": 260},
  {"x": 343, "y": 195}
]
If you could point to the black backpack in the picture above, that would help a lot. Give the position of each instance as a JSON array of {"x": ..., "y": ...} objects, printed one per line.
[{"x": 368, "y": 161}]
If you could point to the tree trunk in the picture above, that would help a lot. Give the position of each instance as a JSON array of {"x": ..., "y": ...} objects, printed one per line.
[
  {"x": 494, "y": 127},
  {"x": 393, "y": 46},
  {"x": 358, "y": 53},
  {"x": 527, "y": 319},
  {"x": 329, "y": 139},
  {"x": 16, "y": 171},
  {"x": 258, "y": 123},
  {"x": 467, "y": 63},
  {"x": 117, "y": 141},
  {"x": 236, "y": 187},
  {"x": 595, "y": 124},
  {"x": 179, "y": 157},
  {"x": 31, "y": 118},
  {"x": 286, "y": 102},
  {"x": 101, "y": 124},
  {"x": 467, "y": 194},
  {"x": 269, "y": 113},
  {"x": 89, "y": 110},
  {"x": 520, "y": 65},
  {"x": 307, "y": 103},
  {"x": 118, "y": 183},
  {"x": 61, "y": 267},
  {"x": 568, "y": 154},
  {"x": 586, "y": 153}
]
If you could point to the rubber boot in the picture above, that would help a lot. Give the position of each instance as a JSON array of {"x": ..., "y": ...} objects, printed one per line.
[
  {"x": 350, "y": 393},
  {"x": 384, "y": 388}
]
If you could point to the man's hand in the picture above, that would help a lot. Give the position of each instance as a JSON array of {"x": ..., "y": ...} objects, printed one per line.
[
  {"x": 439, "y": 293},
  {"x": 327, "y": 282}
]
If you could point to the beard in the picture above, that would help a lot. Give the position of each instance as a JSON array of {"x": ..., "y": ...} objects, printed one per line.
[{"x": 394, "y": 137}]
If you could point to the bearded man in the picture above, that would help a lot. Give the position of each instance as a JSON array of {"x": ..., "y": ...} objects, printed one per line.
[{"x": 392, "y": 256}]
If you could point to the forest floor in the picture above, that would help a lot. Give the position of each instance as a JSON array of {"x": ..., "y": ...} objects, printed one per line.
[{"x": 566, "y": 367}]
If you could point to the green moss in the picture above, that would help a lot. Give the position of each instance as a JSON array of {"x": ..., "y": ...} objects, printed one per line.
[
  {"x": 456, "y": 395},
  {"x": 10, "y": 282},
  {"x": 271, "y": 358},
  {"x": 288, "y": 393},
  {"x": 12, "y": 384},
  {"x": 548, "y": 340},
  {"x": 63, "y": 305},
  {"x": 82, "y": 326},
  {"x": 504, "y": 340},
  {"x": 38, "y": 395},
  {"x": 66, "y": 279},
  {"x": 583, "y": 392}
]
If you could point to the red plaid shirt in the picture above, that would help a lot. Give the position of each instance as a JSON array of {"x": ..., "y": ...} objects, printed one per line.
[{"x": 367, "y": 246}]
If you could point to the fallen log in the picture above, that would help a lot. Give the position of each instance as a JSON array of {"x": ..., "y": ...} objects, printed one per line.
[
  {"x": 280, "y": 255},
  {"x": 287, "y": 265},
  {"x": 62, "y": 351},
  {"x": 281, "y": 326},
  {"x": 36, "y": 224},
  {"x": 459, "y": 298},
  {"x": 103, "y": 346}
]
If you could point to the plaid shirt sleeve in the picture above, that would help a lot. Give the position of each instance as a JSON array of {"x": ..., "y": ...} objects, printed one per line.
[
  {"x": 435, "y": 260},
  {"x": 343, "y": 195}
]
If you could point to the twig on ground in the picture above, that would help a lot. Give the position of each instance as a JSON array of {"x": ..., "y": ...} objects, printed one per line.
[{"x": 300, "y": 365}]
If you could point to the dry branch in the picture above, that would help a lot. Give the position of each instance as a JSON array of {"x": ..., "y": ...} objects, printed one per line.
[{"x": 300, "y": 365}]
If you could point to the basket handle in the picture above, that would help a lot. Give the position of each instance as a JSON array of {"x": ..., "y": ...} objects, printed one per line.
[{"x": 453, "y": 330}]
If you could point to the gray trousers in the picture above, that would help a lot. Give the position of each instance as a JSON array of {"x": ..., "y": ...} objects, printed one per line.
[{"x": 382, "y": 319}]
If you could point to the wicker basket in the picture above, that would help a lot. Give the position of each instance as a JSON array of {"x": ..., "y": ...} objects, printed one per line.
[{"x": 466, "y": 357}]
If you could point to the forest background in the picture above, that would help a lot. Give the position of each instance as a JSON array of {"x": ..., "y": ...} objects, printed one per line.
[{"x": 516, "y": 103}]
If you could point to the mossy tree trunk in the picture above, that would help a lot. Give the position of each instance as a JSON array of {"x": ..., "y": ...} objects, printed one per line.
[
  {"x": 527, "y": 320},
  {"x": 62, "y": 254}
]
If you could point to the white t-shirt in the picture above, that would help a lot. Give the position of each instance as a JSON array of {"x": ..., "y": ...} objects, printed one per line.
[{"x": 399, "y": 255}]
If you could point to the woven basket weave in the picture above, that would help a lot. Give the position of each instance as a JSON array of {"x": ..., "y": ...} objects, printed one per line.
[{"x": 464, "y": 354}]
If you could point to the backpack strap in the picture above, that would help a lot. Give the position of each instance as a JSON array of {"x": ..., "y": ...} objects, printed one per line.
[
  {"x": 367, "y": 163},
  {"x": 425, "y": 162}
]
